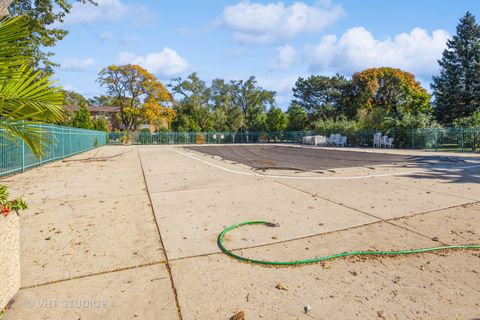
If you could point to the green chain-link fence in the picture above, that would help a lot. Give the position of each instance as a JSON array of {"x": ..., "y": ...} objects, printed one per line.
[
  {"x": 455, "y": 139},
  {"x": 15, "y": 156}
]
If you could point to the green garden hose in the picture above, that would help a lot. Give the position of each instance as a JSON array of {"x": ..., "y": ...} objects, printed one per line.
[{"x": 325, "y": 258}]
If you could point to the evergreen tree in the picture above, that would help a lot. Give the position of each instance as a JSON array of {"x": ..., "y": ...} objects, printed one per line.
[
  {"x": 457, "y": 88},
  {"x": 100, "y": 125},
  {"x": 276, "y": 120},
  {"x": 322, "y": 97},
  {"x": 297, "y": 118},
  {"x": 82, "y": 119}
]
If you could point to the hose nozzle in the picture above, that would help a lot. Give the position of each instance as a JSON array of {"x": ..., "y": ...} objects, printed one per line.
[{"x": 273, "y": 225}]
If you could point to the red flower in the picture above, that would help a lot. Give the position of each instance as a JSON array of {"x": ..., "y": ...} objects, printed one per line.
[{"x": 5, "y": 211}]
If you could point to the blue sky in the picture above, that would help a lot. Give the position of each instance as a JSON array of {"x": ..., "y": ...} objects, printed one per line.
[{"x": 275, "y": 41}]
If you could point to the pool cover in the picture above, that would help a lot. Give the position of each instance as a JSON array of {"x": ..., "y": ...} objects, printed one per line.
[{"x": 313, "y": 159}]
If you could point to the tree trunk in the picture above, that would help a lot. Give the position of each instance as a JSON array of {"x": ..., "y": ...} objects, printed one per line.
[{"x": 4, "y": 7}]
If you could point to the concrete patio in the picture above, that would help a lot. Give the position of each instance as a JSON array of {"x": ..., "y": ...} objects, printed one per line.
[{"x": 130, "y": 233}]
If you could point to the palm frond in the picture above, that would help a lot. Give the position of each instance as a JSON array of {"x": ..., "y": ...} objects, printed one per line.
[
  {"x": 14, "y": 34},
  {"x": 30, "y": 132},
  {"x": 27, "y": 97},
  {"x": 31, "y": 97}
]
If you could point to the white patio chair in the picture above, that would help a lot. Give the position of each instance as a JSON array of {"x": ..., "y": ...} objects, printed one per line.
[
  {"x": 320, "y": 140},
  {"x": 377, "y": 137},
  {"x": 332, "y": 140},
  {"x": 389, "y": 143},
  {"x": 342, "y": 142},
  {"x": 338, "y": 139},
  {"x": 306, "y": 139},
  {"x": 383, "y": 141}
]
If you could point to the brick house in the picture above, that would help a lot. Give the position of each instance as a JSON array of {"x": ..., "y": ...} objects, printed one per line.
[{"x": 106, "y": 112}]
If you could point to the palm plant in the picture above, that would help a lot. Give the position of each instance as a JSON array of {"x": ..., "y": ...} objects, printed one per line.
[{"x": 27, "y": 97}]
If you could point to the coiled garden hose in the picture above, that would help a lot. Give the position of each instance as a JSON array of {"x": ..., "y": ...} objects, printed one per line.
[{"x": 325, "y": 258}]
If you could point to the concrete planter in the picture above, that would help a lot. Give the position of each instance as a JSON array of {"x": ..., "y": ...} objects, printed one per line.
[{"x": 9, "y": 258}]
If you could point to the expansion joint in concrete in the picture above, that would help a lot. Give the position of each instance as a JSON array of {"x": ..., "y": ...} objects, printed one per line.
[
  {"x": 389, "y": 221},
  {"x": 167, "y": 262},
  {"x": 94, "y": 274}
]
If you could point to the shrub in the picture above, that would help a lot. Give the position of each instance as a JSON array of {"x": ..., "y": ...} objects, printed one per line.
[
  {"x": 127, "y": 138},
  {"x": 199, "y": 138},
  {"x": 471, "y": 134},
  {"x": 7, "y": 206},
  {"x": 82, "y": 118},
  {"x": 337, "y": 125},
  {"x": 100, "y": 125}
]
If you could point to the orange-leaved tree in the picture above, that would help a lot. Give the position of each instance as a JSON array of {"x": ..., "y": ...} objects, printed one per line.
[
  {"x": 140, "y": 97},
  {"x": 390, "y": 89}
]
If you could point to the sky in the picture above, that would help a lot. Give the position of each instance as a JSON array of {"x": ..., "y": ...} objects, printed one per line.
[{"x": 275, "y": 41}]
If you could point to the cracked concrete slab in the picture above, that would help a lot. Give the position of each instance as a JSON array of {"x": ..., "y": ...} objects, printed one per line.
[
  {"x": 428, "y": 286},
  {"x": 158, "y": 183},
  {"x": 142, "y": 293},
  {"x": 116, "y": 176},
  {"x": 454, "y": 226},
  {"x": 64, "y": 239},
  {"x": 104, "y": 243},
  {"x": 458, "y": 183},
  {"x": 190, "y": 220},
  {"x": 378, "y": 196},
  {"x": 90, "y": 235}
]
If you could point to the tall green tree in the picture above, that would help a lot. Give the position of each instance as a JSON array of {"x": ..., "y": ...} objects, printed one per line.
[
  {"x": 457, "y": 88},
  {"x": 27, "y": 97},
  {"x": 82, "y": 118},
  {"x": 322, "y": 96},
  {"x": 253, "y": 100},
  {"x": 297, "y": 118},
  {"x": 224, "y": 108},
  {"x": 42, "y": 16},
  {"x": 276, "y": 121},
  {"x": 100, "y": 124},
  {"x": 193, "y": 106}
]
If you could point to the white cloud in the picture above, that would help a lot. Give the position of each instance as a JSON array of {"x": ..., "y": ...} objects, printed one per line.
[
  {"x": 279, "y": 84},
  {"x": 286, "y": 58},
  {"x": 358, "y": 49},
  {"x": 262, "y": 23},
  {"x": 166, "y": 62},
  {"x": 106, "y": 10},
  {"x": 77, "y": 64}
]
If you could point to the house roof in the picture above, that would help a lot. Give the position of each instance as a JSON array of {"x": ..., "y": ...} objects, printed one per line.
[{"x": 94, "y": 109}]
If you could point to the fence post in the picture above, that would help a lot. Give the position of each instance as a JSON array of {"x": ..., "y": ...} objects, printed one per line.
[
  {"x": 63, "y": 141},
  {"x": 462, "y": 131},
  {"x": 40, "y": 157},
  {"x": 53, "y": 133},
  {"x": 23, "y": 156},
  {"x": 413, "y": 138}
]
